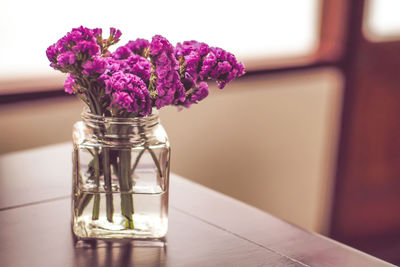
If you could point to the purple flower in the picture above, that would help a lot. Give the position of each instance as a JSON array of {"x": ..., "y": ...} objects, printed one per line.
[
  {"x": 134, "y": 64},
  {"x": 65, "y": 59},
  {"x": 220, "y": 69},
  {"x": 51, "y": 52},
  {"x": 95, "y": 66},
  {"x": 123, "y": 100},
  {"x": 69, "y": 83},
  {"x": 139, "y": 66},
  {"x": 192, "y": 61},
  {"x": 129, "y": 92},
  {"x": 192, "y": 52},
  {"x": 140, "y": 74},
  {"x": 188, "y": 47},
  {"x": 168, "y": 86},
  {"x": 80, "y": 42},
  {"x": 132, "y": 48},
  {"x": 122, "y": 52},
  {"x": 221, "y": 66},
  {"x": 124, "y": 81},
  {"x": 97, "y": 32},
  {"x": 138, "y": 46},
  {"x": 86, "y": 47},
  {"x": 196, "y": 94},
  {"x": 159, "y": 45},
  {"x": 201, "y": 93},
  {"x": 75, "y": 36},
  {"x": 116, "y": 34},
  {"x": 199, "y": 62},
  {"x": 118, "y": 81},
  {"x": 113, "y": 66},
  {"x": 208, "y": 63}
]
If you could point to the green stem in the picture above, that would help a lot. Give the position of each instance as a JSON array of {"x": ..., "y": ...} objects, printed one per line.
[
  {"x": 83, "y": 201},
  {"x": 96, "y": 201},
  {"x": 126, "y": 187},
  {"x": 91, "y": 100},
  {"x": 107, "y": 181},
  {"x": 95, "y": 104}
]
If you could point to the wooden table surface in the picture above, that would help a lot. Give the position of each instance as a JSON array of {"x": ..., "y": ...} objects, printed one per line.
[{"x": 206, "y": 228}]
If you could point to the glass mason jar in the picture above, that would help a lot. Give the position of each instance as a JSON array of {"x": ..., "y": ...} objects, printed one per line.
[{"x": 120, "y": 178}]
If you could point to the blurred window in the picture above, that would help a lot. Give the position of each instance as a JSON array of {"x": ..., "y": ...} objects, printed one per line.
[
  {"x": 257, "y": 31},
  {"x": 382, "y": 20}
]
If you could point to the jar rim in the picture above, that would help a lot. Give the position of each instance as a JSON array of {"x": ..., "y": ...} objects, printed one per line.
[{"x": 153, "y": 117}]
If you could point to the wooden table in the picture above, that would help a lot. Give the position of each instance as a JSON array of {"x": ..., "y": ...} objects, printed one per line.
[{"x": 206, "y": 228}]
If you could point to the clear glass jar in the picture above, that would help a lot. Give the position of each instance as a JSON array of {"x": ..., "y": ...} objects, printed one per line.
[{"x": 120, "y": 178}]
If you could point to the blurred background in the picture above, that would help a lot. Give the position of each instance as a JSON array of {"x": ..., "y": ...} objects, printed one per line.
[{"x": 310, "y": 134}]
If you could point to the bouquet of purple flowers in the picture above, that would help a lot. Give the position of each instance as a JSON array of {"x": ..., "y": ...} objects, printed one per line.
[
  {"x": 139, "y": 75},
  {"x": 129, "y": 83}
]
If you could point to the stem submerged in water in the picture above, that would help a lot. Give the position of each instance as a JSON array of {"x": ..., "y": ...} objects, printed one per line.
[
  {"x": 107, "y": 184},
  {"x": 96, "y": 201},
  {"x": 126, "y": 187},
  {"x": 110, "y": 162}
]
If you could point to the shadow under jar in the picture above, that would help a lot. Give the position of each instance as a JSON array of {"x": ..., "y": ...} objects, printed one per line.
[{"x": 120, "y": 178}]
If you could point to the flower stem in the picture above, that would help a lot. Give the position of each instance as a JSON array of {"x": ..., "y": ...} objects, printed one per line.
[
  {"x": 82, "y": 202},
  {"x": 126, "y": 187},
  {"x": 96, "y": 201},
  {"x": 107, "y": 180}
]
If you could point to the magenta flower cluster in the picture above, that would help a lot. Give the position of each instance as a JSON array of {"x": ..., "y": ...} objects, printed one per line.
[
  {"x": 141, "y": 74},
  {"x": 78, "y": 45},
  {"x": 169, "y": 87}
]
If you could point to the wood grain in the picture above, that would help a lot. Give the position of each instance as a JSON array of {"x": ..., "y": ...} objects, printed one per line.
[
  {"x": 207, "y": 228},
  {"x": 39, "y": 235}
]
